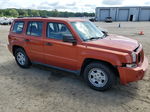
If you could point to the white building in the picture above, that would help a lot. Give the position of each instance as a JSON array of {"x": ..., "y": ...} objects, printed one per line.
[{"x": 123, "y": 13}]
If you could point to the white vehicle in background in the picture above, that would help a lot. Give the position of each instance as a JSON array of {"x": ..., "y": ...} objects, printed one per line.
[{"x": 6, "y": 21}]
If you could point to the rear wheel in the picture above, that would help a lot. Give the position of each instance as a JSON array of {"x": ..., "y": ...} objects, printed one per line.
[
  {"x": 99, "y": 76},
  {"x": 21, "y": 58}
]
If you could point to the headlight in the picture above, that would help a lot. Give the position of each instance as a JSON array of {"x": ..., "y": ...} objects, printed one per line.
[{"x": 133, "y": 56}]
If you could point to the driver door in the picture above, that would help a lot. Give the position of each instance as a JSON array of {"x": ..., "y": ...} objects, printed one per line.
[{"x": 57, "y": 52}]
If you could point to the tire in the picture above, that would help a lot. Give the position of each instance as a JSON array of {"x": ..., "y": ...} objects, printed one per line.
[
  {"x": 99, "y": 76},
  {"x": 21, "y": 58}
]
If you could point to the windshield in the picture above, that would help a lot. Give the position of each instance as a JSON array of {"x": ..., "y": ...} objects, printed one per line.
[{"x": 87, "y": 30}]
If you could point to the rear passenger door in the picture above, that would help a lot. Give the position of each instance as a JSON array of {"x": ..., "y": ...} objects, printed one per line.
[{"x": 34, "y": 41}]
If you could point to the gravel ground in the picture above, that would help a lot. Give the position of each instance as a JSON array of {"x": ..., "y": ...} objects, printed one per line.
[{"x": 41, "y": 89}]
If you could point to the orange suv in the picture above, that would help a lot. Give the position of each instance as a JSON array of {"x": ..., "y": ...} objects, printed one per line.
[{"x": 77, "y": 46}]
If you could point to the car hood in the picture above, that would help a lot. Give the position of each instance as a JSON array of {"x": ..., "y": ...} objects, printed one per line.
[{"x": 115, "y": 42}]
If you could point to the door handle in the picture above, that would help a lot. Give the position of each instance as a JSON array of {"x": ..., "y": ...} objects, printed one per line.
[
  {"x": 26, "y": 40},
  {"x": 48, "y": 44}
]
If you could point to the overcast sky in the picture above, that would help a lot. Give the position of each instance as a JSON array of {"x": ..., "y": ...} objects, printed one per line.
[{"x": 70, "y": 5}]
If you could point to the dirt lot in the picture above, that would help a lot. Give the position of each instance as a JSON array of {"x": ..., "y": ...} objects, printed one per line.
[{"x": 41, "y": 89}]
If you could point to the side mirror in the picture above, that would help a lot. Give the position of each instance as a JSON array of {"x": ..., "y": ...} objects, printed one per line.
[
  {"x": 105, "y": 33},
  {"x": 69, "y": 38},
  {"x": 103, "y": 30}
]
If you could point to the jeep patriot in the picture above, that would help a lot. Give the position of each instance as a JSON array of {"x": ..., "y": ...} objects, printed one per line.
[{"x": 77, "y": 46}]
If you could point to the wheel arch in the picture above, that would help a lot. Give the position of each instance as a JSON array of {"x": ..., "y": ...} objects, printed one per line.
[
  {"x": 16, "y": 47},
  {"x": 91, "y": 60}
]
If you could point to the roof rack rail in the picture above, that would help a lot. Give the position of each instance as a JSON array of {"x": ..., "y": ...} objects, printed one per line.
[{"x": 32, "y": 16}]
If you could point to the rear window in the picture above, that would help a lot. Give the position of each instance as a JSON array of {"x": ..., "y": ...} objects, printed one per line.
[{"x": 18, "y": 27}]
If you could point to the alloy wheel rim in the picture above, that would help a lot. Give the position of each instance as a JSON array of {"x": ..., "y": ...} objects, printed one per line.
[
  {"x": 97, "y": 77},
  {"x": 21, "y": 58}
]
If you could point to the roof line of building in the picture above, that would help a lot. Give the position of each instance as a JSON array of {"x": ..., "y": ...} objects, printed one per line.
[{"x": 126, "y": 7}]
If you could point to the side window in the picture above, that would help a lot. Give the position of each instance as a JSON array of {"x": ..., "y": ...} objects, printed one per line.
[
  {"x": 57, "y": 30},
  {"x": 18, "y": 27},
  {"x": 34, "y": 28}
]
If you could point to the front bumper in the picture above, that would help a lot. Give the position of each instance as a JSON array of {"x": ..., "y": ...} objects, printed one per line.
[{"x": 133, "y": 74}]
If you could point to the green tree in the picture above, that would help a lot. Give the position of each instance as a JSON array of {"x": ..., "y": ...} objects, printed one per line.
[
  {"x": 22, "y": 12},
  {"x": 78, "y": 14},
  {"x": 29, "y": 12},
  {"x": 55, "y": 13},
  {"x": 1, "y": 13},
  {"x": 43, "y": 13},
  {"x": 12, "y": 13},
  {"x": 35, "y": 13}
]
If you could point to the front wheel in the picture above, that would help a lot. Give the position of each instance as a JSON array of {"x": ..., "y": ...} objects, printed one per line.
[{"x": 99, "y": 76}]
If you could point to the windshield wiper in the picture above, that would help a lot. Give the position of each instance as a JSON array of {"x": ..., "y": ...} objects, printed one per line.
[{"x": 92, "y": 38}]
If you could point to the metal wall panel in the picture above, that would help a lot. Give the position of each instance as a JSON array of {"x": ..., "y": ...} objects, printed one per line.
[
  {"x": 123, "y": 15},
  {"x": 144, "y": 15},
  {"x": 104, "y": 13}
]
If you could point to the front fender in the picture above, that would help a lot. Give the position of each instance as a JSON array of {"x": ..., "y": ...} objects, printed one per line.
[{"x": 115, "y": 58}]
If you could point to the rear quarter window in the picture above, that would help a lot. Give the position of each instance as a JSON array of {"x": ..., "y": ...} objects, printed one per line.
[{"x": 18, "y": 27}]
